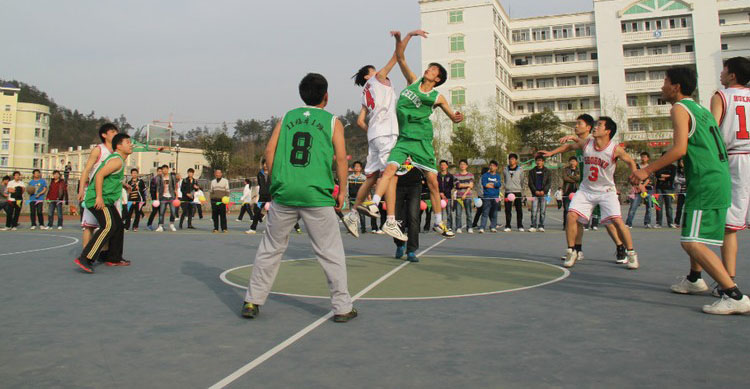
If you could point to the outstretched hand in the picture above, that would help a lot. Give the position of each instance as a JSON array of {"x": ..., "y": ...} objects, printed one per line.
[
  {"x": 545, "y": 153},
  {"x": 569, "y": 138},
  {"x": 421, "y": 33},
  {"x": 458, "y": 117},
  {"x": 638, "y": 176},
  {"x": 396, "y": 34}
]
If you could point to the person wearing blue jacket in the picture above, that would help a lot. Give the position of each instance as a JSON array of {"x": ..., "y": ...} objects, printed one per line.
[{"x": 491, "y": 184}]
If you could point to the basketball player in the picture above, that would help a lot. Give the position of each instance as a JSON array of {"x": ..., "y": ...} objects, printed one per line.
[
  {"x": 600, "y": 156},
  {"x": 299, "y": 156},
  {"x": 709, "y": 188},
  {"x": 414, "y": 108}
]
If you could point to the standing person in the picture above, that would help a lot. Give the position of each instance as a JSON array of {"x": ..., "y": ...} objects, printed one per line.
[
  {"x": 698, "y": 138},
  {"x": 136, "y": 198},
  {"x": 4, "y": 201},
  {"x": 446, "y": 184},
  {"x": 664, "y": 187},
  {"x": 102, "y": 200},
  {"x": 16, "y": 188},
  {"x": 356, "y": 181},
  {"x": 219, "y": 190},
  {"x": 513, "y": 179},
  {"x": 166, "y": 189},
  {"x": 571, "y": 178},
  {"x": 680, "y": 188},
  {"x": 464, "y": 195},
  {"x": 247, "y": 201},
  {"x": 600, "y": 154},
  {"x": 66, "y": 173},
  {"x": 479, "y": 195},
  {"x": 408, "y": 194},
  {"x": 301, "y": 187},
  {"x": 153, "y": 191},
  {"x": 264, "y": 196},
  {"x": 55, "y": 197},
  {"x": 539, "y": 183},
  {"x": 36, "y": 199},
  {"x": 559, "y": 197},
  {"x": 491, "y": 183},
  {"x": 188, "y": 189},
  {"x": 178, "y": 193},
  {"x": 644, "y": 187}
]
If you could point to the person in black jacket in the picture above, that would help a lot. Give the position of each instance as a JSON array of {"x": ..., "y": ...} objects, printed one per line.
[
  {"x": 188, "y": 187},
  {"x": 665, "y": 189},
  {"x": 264, "y": 196},
  {"x": 539, "y": 184},
  {"x": 571, "y": 179},
  {"x": 446, "y": 183},
  {"x": 408, "y": 196},
  {"x": 154, "y": 196},
  {"x": 136, "y": 198}
]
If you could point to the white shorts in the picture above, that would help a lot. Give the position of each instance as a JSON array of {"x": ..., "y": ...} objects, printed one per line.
[
  {"x": 738, "y": 214},
  {"x": 583, "y": 205},
  {"x": 377, "y": 154},
  {"x": 89, "y": 220}
]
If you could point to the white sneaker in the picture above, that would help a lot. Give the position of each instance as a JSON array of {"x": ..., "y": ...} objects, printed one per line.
[
  {"x": 481, "y": 231},
  {"x": 351, "y": 222},
  {"x": 4, "y": 228},
  {"x": 14, "y": 229},
  {"x": 458, "y": 231},
  {"x": 160, "y": 229},
  {"x": 443, "y": 230},
  {"x": 378, "y": 232},
  {"x": 237, "y": 220},
  {"x": 579, "y": 258},
  {"x": 33, "y": 228},
  {"x": 59, "y": 228},
  {"x": 393, "y": 228},
  {"x": 570, "y": 258},
  {"x": 251, "y": 232},
  {"x": 171, "y": 227},
  {"x": 493, "y": 229},
  {"x": 471, "y": 230},
  {"x": 541, "y": 229},
  {"x": 520, "y": 229},
  {"x": 44, "y": 228},
  {"x": 684, "y": 286},
  {"x": 632, "y": 260},
  {"x": 594, "y": 228},
  {"x": 532, "y": 229},
  {"x": 506, "y": 230},
  {"x": 369, "y": 208},
  {"x": 728, "y": 306}
]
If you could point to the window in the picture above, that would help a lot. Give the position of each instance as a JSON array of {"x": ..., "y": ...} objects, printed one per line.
[
  {"x": 456, "y": 16},
  {"x": 595, "y": 80},
  {"x": 5, "y": 145},
  {"x": 458, "y": 97},
  {"x": 688, "y": 48},
  {"x": 582, "y": 56},
  {"x": 3, "y": 160},
  {"x": 519, "y": 108},
  {"x": 36, "y": 132},
  {"x": 566, "y": 81},
  {"x": 677, "y": 48},
  {"x": 634, "y": 52},
  {"x": 636, "y": 125},
  {"x": 518, "y": 85},
  {"x": 36, "y": 163},
  {"x": 597, "y": 104},
  {"x": 657, "y": 50},
  {"x": 722, "y": 22},
  {"x": 683, "y": 22},
  {"x": 594, "y": 55},
  {"x": 457, "y": 43},
  {"x": 6, "y": 131},
  {"x": 632, "y": 101},
  {"x": 542, "y": 59},
  {"x": 540, "y": 34},
  {"x": 566, "y": 105},
  {"x": 672, "y": 23},
  {"x": 531, "y": 107},
  {"x": 585, "y": 104},
  {"x": 584, "y": 30},
  {"x": 522, "y": 61},
  {"x": 658, "y": 25},
  {"x": 520, "y": 35},
  {"x": 36, "y": 147},
  {"x": 38, "y": 117},
  {"x": 565, "y": 57},
  {"x": 7, "y": 107},
  {"x": 457, "y": 70},
  {"x": 545, "y": 83},
  {"x": 583, "y": 80},
  {"x": 171, "y": 165},
  {"x": 44, "y": 132},
  {"x": 724, "y": 46},
  {"x": 529, "y": 84},
  {"x": 634, "y": 26},
  {"x": 635, "y": 76},
  {"x": 546, "y": 106},
  {"x": 657, "y": 74},
  {"x": 562, "y": 32},
  {"x": 624, "y": 27},
  {"x": 156, "y": 164}
]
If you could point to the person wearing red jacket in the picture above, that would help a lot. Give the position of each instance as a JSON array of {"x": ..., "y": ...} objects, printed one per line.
[{"x": 55, "y": 196}]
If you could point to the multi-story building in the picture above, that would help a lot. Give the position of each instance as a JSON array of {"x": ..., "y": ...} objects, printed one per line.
[
  {"x": 610, "y": 61},
  {"x": 25, "y": 131}
]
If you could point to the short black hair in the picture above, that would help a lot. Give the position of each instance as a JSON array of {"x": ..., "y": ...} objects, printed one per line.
[
  {"x": 359, "y": 78},
  {"x": 588, "y": 119},
  {"x": 313, "y": 88},
  {"x": 512, "y": 155},
  {"x": 573, "y": 158},
  {"x": 685, "y": 77},
  {"x": 610, "y": 125},
  {"x": 106, "y": 127},
  {"x": 36, "y": 171},
  {"x": 740, "y": 67},
  {"x": 191, "y": 170},
  {"x": 464, "y": 161},
  {"x": 485, "y": 169},
  {"x": 55, "y": 171},
  {"x": 493, "y": 162},
  {"x": 6, "y": 178},
  {"x": 357, "y": 163},
  {"x": 165, "y": 166},
  {"x": 538, "y": 157},
  {"x": 247, "y": 181},
  {"x": 118, "y": 139},
  {"x": 442, "y": 160},
  {"x": 16, "y": 172},
  {"x": 134, "y": 170},
  {"x": 262, "y": 161},
  {"x": 158, "y": 168},
  {"x": 442, "y": 73},
  {"x": 645, "y": 153}
]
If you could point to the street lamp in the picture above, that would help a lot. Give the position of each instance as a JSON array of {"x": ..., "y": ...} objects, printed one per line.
[{"x": 177, "y": 158}]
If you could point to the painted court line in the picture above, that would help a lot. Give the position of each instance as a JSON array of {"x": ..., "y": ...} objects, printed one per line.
[
  {"x": 75, "y": 240},
  {"x": 289, "y": 341}
]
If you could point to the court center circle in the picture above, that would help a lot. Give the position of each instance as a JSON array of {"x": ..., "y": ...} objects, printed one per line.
[{"x": 434, "y": 277}]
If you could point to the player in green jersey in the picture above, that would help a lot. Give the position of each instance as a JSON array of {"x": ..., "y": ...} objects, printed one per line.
[
  {"x": 101, "y": 200},
  {"x": 299, "y": 155},
  {"x": 413, "y": 110},
  {"x": 698, "y": 139}
]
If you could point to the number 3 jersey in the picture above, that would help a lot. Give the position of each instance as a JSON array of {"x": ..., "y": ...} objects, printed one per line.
[
  {"x": 302, "y": 174},
  {"x": 706, "y": 167},
  {"x": 734, "y": 120},
  {"x": 598, "y": 167}
]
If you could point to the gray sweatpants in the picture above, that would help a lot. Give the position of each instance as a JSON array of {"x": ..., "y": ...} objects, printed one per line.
[{"x": 323, "y": 228}]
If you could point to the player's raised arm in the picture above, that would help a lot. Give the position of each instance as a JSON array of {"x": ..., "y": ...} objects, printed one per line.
[
  {"x": 456, "y": 117},
  {"x": 342, "y": 168},
  {"x": 271, "y": 147},
  {"x": 362, "y": 118},
  {"x": 681, "y": 122},
  {"x": 577, "y": 145},
  {"x": 84, "y": 180},
  {"x": 401, "y": 54},
  {"x": 382, "y": 74}
]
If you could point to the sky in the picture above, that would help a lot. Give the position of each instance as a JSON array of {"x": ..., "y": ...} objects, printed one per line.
[{"x": 207, "y": 61}]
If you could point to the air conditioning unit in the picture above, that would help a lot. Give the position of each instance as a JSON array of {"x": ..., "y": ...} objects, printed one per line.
[
  {"x": 79, "y": 148},
  {"x": 70, "y": 148}
]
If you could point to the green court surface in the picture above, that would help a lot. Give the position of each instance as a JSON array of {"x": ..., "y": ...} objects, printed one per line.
[{"x": 432, "y": 277}]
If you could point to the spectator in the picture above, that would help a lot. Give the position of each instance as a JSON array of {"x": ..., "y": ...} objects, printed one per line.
[
  {"x": 491, "y": 183},
  {"x": 247, "y": 201},
  {"x": 513, "y": 179},
  {"x": 425, "y": 196},
  {"x": 4, "y": 200},
  {"x": 558, "y": 197},
  {"x": 644, "y": 187},
  {"x": 166, "y": 189},
  {"x": 36, "y": 200},
  {"x": 356, "y": 180},
  {"x": 219, "y": 190},
  {"x": 539, "y": 184},
  {"x": 665, "y": 189},
  {"x": 464, "y": 195},
  {"x": 571, "y": 179},
  {"x": 681, "y": 188},
  {"x": 187, "y": 189},
  {"x": 16, "y": 188},
  {"x": 446, "y": 184},
  {"x": 154, "y": 197},
  {"x": 264, "y": 196},
  {"x": 178, "y": 193},
  {"x": 408, "y": 195},
  {"x": 479, "y": 194},
  {"x": 56, "y": 197},
  {"x": 197, "y": 203},
  {"x": 68, "y": 169},
  {"x": 136, "y": 198}
]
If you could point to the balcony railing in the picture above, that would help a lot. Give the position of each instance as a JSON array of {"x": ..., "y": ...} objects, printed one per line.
[
  {"x": 657, "y": 35},
  {"x": 646, "y": 85},
  {"x": 664, "y": 59},
  {"x": 648, "y": 111}
]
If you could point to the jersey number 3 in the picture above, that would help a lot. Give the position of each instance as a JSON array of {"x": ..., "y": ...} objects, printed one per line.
[
  {"x": 594, "y": 174},
  {"x": 301, "y": 144},
  {"x": 742, "y": 116}
]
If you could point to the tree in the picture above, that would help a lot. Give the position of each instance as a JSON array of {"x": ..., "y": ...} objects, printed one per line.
[
  {"x": 540, "y": 130},
  {"x": 463, "y": 145},
  {"x": 249, "y": 129},
  {"x": 217, "y": 148}
]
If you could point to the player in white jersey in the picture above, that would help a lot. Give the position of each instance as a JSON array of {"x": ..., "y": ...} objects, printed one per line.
[
  {"x": 378, "y": 117},
  {"x": 600, "y": 155},
  {"x": 98, "y": 154}
]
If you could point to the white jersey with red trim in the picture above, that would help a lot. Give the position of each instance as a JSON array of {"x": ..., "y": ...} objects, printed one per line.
[
  {"x": 103, "y": 154},
  {"x": 735, "y": 119},
  {"x": 380, "y": 101},
  {"x": 598, "y": 167}
]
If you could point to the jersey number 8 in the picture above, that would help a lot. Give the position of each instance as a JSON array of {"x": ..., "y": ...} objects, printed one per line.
[{"x": 301, "y": 144}]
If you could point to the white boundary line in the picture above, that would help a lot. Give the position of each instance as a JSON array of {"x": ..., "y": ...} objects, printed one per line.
[
  {"x": 565, "y": 275},
  {"x": 289, "y": 341},
  {"x": 75, "y": 240}
]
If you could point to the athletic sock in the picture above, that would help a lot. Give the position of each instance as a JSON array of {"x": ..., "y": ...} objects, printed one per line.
[
  {"x": 578, "y": 247},
  {"x": 376, "y": 199},
  {"x": 438, "y": 217},
  {"x": 694, "y": 276},
  {"x": 571, "y": 248},
  {"x": 734, "y": 293},
  {"x": 391, "y": 218}
]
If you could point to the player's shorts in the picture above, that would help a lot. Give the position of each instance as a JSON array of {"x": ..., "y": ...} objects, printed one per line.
[
  {"x": 703, "y": 226},
  {"x": 422, "y": 154},
  {"x": 378, "y": 150},
  {"x": 89, "y": 220},
  {"x": 738, "y": 214},
  {"x": 583, "y": 205}
]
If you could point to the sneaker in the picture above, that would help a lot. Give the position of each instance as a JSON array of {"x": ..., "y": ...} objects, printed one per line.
[
  {"x": 4, "y": 228},
  {"x": 160, "y": 229},
  {"x": 521, "y": 229},
  {"x": 657, "y": 226},
  {"x": 215, "y": 231},
  {"x": 134, "y": 229},
  {"x": 345, "y": 317},
  {"x": 352, "y": 223},
  {"x": 14, "y": 229},
  {"x": 585, "y": 228},
  {"x": 122, "y": 262},
  {"x": 458, "y": 231},
  {"x": 674, "y": 226},
  {"x": 44, "y": 228},
  {"x": 224, "y": 231},
  {"x": 649, "y": 226},
  {"x": 393, "y": 228},
  {"x": 532, "y": 229},
  {"x": 728, "y": 306},
  {"x": 621, "y": 256},
  {"x": 237, "y": 220},
  {"x": 630, "y": 227},
  {"x": 570, "y": 258},
  {"x": 171, "y": 227},
  {"x": 249, "y": 232},
  {"x": 541, "y": 229},
  {"x": 250, "y": 310},
  {"x": 412, "y": 257},
  {"x": 685, "y": 286},
  {"x": 378, "y": 232},
  {"x": 60, "y": 228},
  {"x": 594, "y": 228},
  {"x": 579, "y": 258},
  {"x": 150, "y": 227},
  {"x": 470, "y": 230},
  {"x": 443, "y": 230},
  {"x": 493, "y": 229},
  {"x": 84, "y": 264},
  {"x": 33, "y": 228},
  {"x": 481, "y": 231},
  {"x": 632, "y": 260},
  {"x": 298, "y": 230},
  {"x": 716, "y": 290},
  {"x": 506, "y": 229},
  {"x": 369, "y": 208},
  {"x": 399, "y": 252}
]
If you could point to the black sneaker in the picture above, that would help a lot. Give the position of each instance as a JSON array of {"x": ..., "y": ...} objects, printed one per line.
[
  {"x": 250, "y": 310},
  {"x": 621, "y": 255},
  {"x": 345, "y": 317},
  {"x": 84, "y": 264}
]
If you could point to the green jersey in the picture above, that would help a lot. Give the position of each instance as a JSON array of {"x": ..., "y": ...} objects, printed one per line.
[
  {"x": 707, "y": 177},
  {"x": 302, "y": 173},
  {"x": 111, "y": 186},
  {"x": 413, "y": 111}
]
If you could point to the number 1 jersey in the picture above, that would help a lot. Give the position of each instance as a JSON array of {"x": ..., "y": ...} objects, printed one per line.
[
  {"x": 302, "y": 174},
  {"x": 735, "y": 119}
]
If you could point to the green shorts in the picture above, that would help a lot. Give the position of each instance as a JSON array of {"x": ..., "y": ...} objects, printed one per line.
[
  {"x": 704, "y": 226},
  {"x": 422, "y": 154}
]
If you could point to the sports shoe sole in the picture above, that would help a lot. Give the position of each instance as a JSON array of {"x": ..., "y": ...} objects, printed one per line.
[
  {"x": 366, "y": 211},
  {"x": 345, "y": 317},
  {"x": 83, "y": 267}
]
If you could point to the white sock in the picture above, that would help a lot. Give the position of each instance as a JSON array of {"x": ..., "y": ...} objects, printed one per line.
[
  {"x": 438, "y": 217},
  {"x": 376, "y": 199},
  {"x": 391, "y": 218}
]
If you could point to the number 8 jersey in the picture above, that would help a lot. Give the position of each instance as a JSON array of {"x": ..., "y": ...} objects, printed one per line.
[
  {"x": 302, "y": 172},
  {"x": 734, "y": 119},
  {"x": 598, "y": 167}
]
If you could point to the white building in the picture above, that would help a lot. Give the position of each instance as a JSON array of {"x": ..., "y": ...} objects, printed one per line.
[{"x": 610, "y": 61}]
